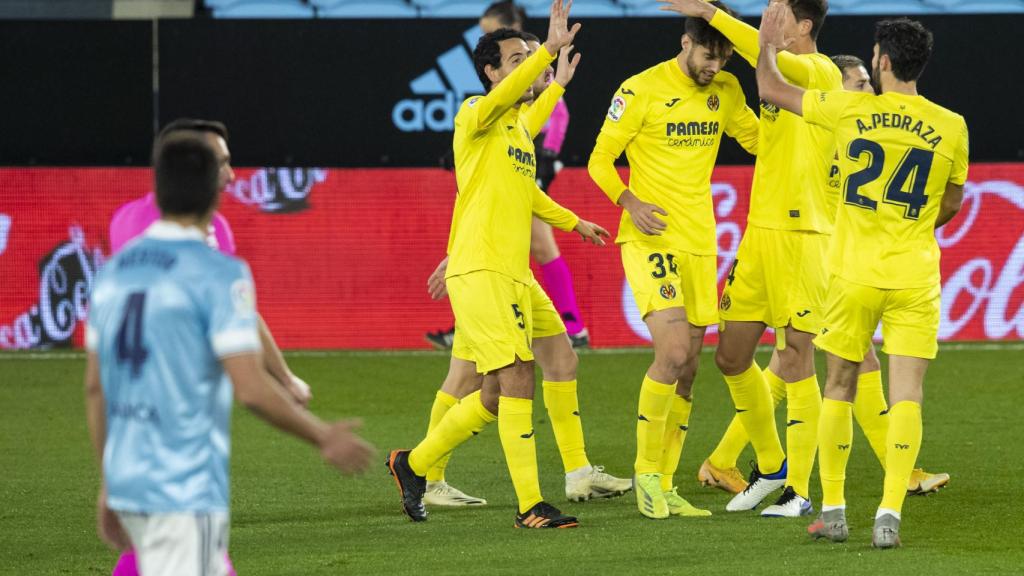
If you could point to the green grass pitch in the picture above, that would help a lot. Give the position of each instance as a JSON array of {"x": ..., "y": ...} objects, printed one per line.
[{"x": 293, "y": 515}]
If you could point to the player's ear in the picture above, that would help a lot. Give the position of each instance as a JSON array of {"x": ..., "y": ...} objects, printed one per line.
[
  {"x": 685, "y": 43},
  {"x": 492, "y": 73},
  {"x": 884, "y": 63},
  {"x": 804, "y": 26}
]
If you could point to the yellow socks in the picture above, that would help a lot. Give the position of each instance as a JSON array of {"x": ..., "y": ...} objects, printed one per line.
[
  {"x": 515, "y": 427},
  {"x": 564, "y": 412},
  {"x": 442, "y": 402},
  {"x": 464, "y": 419},
  {"x": 902, "y": 446},
  {"x": 872, "y": 412},
  {"x": 752, "y": 397},
  {"x": 735, "y": 439},
  {"x": 835, "y": 437},
  {"x": 655, "y": 404},
  {"x": 676, "y": 425},
  {"x": 803, "y": 408}
]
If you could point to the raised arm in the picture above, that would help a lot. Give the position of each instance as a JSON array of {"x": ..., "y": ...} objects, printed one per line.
[
  {"x": 771, "y": 86},
  {"x": 507, "y": 92},
  {"x": 742, "y": 35},
  {"x": 537, "y": 115}
]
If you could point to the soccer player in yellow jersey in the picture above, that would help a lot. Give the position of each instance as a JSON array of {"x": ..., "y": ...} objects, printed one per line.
[
  {"x": 488, "y": 271},
  {"x": 870, "y": 408},
  {"x": 778, "y": 279},
  {"x": 904, "y": 163},
  {"x": 551, "y": 346},
  {"x": 669, "y": 120}
]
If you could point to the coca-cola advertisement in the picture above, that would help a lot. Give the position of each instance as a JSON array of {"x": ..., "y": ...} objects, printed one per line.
[{"x": 341, "y": 256}]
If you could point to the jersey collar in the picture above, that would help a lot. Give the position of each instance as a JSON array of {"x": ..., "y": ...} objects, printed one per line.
[{"x": 164, "y": 230}]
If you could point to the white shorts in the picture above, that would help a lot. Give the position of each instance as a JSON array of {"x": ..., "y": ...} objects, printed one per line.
[{"x": 183, "y": 544}]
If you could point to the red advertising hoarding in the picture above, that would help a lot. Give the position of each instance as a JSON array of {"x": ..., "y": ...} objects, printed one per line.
[{"x": 341, "y": 257}]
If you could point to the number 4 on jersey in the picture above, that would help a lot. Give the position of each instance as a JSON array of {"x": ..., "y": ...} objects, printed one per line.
[
  {"x": 129, "y": 336},
  {"x": 913, "y": 167}
]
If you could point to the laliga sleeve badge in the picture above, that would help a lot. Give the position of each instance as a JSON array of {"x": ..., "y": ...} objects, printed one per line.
[
  {"x": 474, "y": 100},
  {"x": 243, "y": 297},
  {"x": 617, "y": 108},
  {"x": 668, "y": 292}
]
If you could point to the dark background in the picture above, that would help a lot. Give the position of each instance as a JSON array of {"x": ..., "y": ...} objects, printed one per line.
[{"x": 321, "y": 92}]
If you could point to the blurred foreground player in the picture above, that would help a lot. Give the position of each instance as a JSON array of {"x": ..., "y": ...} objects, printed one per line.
[
  {"x": 169, "y": 319},
  {"x": 904, "y": 160}
]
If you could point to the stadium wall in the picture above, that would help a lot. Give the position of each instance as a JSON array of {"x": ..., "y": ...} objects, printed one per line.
[
  {"x": 341, "y": 256},
  {"x": 299, "y": 93}
]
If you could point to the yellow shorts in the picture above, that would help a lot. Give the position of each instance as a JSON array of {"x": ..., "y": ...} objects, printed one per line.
[
  {"x": 546, "y": 322},
  {"x": 909, "y": 316},
  {"x": 494, "y": 317},
  {"x": 661, "y": 280},
  {"x": 779, "y": 278}
]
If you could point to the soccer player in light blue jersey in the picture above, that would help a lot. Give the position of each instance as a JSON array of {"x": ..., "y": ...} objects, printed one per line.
[{"x": 169, "y": 319}]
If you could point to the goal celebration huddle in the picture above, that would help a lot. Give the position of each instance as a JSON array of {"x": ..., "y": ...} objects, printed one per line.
[{"x": 854, "y": 171}]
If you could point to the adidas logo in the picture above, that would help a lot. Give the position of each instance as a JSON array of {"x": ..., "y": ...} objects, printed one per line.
[{"x": 446, "y": 90}]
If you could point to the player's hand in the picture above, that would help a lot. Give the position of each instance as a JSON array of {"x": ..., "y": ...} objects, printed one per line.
[
  {"x": 592, "y": 232},
  {"x": 644, "y": 214},
  {"x": 559, "y": 34},
  {"x": 436, "y": 286},
  {"x": 772, "y": 31},
  {"x": 345, "y": 450},
  {"x": 566, "y": 67},
  {"x": 299, "y": 390},
  {"x": 108, "y": 526},
  {"x": 689, "y": 8}
]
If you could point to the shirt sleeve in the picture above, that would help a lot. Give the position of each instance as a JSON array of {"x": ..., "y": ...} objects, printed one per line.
[
  {"x": 958, "y": 175},
  {"x": 624, "y": 121},
  {"x": 537, "y": 114},
  {"x": 798, "y": 69},
  {"x": 233, "y": 323},
  {"x": 552, "y": 212},
  {"x": 482, "y": 111},
  {"x": 824, "y": 107},
  {"x": 743, "y": 125}
]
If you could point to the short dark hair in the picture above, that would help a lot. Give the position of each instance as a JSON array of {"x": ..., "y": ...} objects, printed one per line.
[
  {"x": 845, "y": 61},
  {"x": 188, "y": 125},
  {"x": 488, "y": 52},
  {"x": 704, "y": 34},
  {"x": 185, "y": 173},
  {"x": 507, "y": 13},
  {"x": 196, "y": 125},
  {"x": 527, "y": 36},
  {"x": 813, "y": 10},
  {"x": 907, "y": 43}
]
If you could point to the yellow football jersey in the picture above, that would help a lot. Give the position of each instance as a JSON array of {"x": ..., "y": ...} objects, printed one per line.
[
  {"x": 789, "y": 190},
  {"x": 670, "y": 128},
  {"x": 896, "y": 154},
  {"x": 495, "y": 168}
]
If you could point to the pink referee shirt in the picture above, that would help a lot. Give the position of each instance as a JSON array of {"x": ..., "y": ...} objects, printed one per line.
[{"x": 132, "y": 219}]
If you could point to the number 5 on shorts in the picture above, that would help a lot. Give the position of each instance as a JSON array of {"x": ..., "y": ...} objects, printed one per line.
[{"x": 519, "y": 316}]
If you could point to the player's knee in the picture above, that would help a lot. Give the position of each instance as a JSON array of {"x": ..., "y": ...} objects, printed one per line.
[
  {"x": 729, "y": 362},
  {"x": 672, "y": 360},
  {"x": 561, "y": 368}
]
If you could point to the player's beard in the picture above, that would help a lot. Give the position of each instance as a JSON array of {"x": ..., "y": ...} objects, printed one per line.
[
  {"x": 876, "y": 80},
  {"x": 695, "y": 73}
]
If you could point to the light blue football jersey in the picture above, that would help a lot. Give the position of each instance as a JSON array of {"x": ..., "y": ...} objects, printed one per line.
[{"x": 162, "y": 313}]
